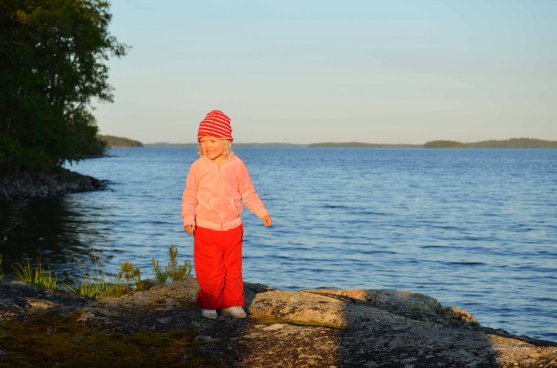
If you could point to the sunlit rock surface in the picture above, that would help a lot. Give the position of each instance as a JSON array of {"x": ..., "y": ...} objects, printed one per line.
[{"x": 311, "y": 328}]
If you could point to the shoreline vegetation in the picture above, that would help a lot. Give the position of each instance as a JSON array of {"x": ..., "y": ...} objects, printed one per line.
[
  {"x": 118, "y": 142},
  {"x": 54, "y": 56},
  {"x": 508, "y": 143},
  {"x": 53, "y": 67}
]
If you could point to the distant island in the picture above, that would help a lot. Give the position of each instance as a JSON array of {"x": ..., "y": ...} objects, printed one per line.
[
  {"x": 236, "y": 145},
  {"x": 361, "y": 145},
  {"x": 118, "y": 142},
  {"x": 113, "y": 141},
  {"x": 509, "y": 143},
  {"x": 290, "y": 145}
]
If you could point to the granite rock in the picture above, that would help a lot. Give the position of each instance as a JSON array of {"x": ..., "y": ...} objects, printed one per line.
[
  {"x": 37, "y": 184},
  {"x": 310, "y": 328}
]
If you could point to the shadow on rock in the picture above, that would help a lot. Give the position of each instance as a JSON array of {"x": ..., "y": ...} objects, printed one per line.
[
  {"x": 310, "y": 328},
  {"x": 381, "y": 328}
]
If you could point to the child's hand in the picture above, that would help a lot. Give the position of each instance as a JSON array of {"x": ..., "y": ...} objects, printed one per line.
[
  {"x": 267, "y": 221},
  {"x": 189, "y": 229}
]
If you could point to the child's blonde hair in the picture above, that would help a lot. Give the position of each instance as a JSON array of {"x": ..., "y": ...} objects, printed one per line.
[{"x": 227, "y": 148}]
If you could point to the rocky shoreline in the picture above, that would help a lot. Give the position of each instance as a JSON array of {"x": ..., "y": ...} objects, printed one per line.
[
  {"x": 31, "y": 185},
  {"x": 310, "y": 328}
]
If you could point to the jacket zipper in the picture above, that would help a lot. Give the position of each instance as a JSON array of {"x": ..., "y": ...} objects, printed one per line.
[{"x": 221, "y": 210}]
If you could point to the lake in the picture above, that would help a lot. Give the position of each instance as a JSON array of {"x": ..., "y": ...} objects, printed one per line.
[{"x": 474, "y": 228}]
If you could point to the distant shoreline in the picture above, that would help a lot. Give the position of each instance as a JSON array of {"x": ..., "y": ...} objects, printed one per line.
[
  {"x": 119, "y": 142},
  {"x": 509, "y": 143},
  {"x": 238, "y": 145},
  {"x": 438, "y": 144},
  {"x": 361, "y": 145}
]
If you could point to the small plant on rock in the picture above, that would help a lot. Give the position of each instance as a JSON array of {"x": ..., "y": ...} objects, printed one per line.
[
  {"x": 36, "y": 276},
  {"x": 97, "y": 287},
  {"x": 129, "y": 273},
  {"x": 173, "y": 270},
  {"x": 160, "y": 274}
]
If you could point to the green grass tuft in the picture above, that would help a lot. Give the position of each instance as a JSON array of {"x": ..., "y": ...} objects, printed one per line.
[
  {"x": 36, "y": 276},
  {"x": 96, "y": 286}
]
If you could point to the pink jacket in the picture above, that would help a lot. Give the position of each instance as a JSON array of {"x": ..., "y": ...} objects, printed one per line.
[{"x": 214, "y": 194}]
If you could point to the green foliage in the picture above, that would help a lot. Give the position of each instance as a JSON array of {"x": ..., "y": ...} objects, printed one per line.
[
  {"x": 36, "y": 276},
  {"x": 92, "y": 288},
  {"x": 113, "y": 141},
  {"x": 160, "y": 275},
  {"x": 97, "y": 287},
  {"x": 52, "y": 55},
  {"x": 444, "y": 144},
  {"x": 88, "y": 286},
  {"x": 172, "y": 271},
  {"x": 129, "y": 272}
]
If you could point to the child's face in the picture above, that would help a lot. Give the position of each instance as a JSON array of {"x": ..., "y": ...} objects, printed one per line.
[{"x": 213, "y": 148}]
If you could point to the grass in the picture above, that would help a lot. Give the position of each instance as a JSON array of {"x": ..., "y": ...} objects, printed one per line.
[
  {"x": 91, "y": 288},
  {"x": 97, "y": 286},
  {"x": 37, "y": 276},
  {"x": 63, "y": 341},
  {"x": 128, "y": 279}
]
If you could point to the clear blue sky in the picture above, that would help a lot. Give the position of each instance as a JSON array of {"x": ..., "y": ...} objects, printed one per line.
[{"x": 303, "y": 71}]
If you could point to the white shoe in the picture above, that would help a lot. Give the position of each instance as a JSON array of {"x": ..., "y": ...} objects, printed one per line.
[
  {"x": 209, "y": 313},
  {"x": 236, "y": 312}
]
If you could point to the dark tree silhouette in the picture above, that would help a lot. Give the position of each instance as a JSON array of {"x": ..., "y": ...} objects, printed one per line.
[{"x": 52, "y": 55}]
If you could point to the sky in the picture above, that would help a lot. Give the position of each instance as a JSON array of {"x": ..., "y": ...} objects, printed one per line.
[{"x": 306, "y": 71}]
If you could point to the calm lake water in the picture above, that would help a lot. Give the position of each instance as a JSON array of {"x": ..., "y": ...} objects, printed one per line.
[{"x": 473, "y": 228}]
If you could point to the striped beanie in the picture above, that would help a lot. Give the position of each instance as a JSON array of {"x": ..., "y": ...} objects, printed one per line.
[{"x": 216, "y": 124}]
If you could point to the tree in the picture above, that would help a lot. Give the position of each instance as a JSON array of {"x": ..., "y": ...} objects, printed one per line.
[{"x": 52, "y": 55}]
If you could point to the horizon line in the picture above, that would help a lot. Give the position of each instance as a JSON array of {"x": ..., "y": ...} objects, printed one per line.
[{"x": 360, "y": 142}]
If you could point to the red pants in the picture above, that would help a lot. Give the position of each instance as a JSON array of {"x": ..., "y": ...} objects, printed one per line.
[{"x": 217, "y": 257}]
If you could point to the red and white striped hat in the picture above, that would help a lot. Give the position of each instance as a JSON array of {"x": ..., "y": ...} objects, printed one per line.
[{"x": 216, "y": 124}]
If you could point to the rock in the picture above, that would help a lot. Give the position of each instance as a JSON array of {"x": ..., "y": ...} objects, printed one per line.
[
  {"x": 84, "y": 317},
  {"x": 17, "y": 301},
  {"x": 38, "y": 184},
  {"x": 159, "y": 298},
  {"x": 310, "y": 328},
  {"x": 164, "y": 320},
  {"x": 405, "y": 303},
  {"x": 377, "y": 325},
  {"x": 203, "y": 338},
  {"x": 274, "y": 327}
]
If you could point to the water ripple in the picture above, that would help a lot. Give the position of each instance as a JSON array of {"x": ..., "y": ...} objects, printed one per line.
[{"x": 464, "y": 226}]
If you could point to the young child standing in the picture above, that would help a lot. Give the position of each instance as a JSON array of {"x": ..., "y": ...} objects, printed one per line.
[{"x": 216, "y": 185}]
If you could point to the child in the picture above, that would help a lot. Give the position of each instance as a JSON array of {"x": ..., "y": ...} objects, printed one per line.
[{"x": 211, "y": 209}]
